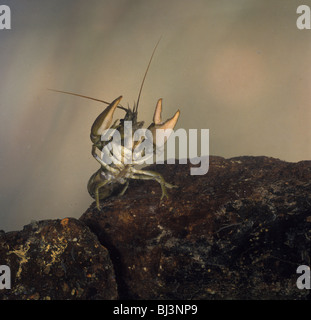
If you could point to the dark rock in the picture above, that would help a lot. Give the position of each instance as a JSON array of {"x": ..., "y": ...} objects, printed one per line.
[
  {"x": 238, "y": 232},
  {"x": 56, "y": 259}
]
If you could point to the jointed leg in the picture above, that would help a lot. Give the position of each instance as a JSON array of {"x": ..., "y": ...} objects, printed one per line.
[
  {"x": 152, "y": 175},
  {"x": 100, "y": 185},
  {"x": 124, "y": 189}
]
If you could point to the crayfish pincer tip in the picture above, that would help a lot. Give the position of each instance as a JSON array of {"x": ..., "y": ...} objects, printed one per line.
[
  {"x": 157, "y": 118},
  {"x": 116, "y": 101}
]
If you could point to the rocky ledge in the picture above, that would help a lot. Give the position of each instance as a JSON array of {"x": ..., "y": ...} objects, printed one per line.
[{"x": 238, "y": 232}]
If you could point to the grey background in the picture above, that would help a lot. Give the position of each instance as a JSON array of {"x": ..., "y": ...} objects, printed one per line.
[{"x": 240, "y": 68}]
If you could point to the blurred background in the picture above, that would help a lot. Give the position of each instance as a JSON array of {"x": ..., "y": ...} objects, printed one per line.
[{"x": 239, "y": 68}]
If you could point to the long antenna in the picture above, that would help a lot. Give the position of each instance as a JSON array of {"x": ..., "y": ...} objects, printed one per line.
[
  {"x": 80, "y": 95},
  {"x": 142, "y": 84},
  {"x": 140, "y": 90}
]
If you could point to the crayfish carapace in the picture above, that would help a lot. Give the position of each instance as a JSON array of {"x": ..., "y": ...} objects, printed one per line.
[{"x": 114, "y": 177}]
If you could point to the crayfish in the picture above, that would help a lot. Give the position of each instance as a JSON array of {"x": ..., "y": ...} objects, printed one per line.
[{"x": 114, "y": 178}]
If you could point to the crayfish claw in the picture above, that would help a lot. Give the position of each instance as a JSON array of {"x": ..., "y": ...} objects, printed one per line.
[
  {"x": 169, "y": 124},
  {"x": 103, "y": 121},
  {"x": 157, "y": 117}
]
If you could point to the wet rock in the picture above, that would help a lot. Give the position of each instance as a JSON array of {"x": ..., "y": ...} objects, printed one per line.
[
  {"x": 56, "y": 259},
  {"x": 238, "y": 232}
]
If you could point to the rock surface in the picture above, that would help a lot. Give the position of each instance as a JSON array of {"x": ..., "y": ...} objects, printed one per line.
[
  {"x": 238, "y": 232},
  {"x": 56, "y": 259}
]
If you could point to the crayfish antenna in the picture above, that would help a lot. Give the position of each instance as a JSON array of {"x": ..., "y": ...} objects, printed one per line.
[
  {"x": 142, "y": 84},
  {"x": 79, "y": 95},
  {"x": 86, "y": 97}
]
